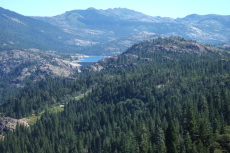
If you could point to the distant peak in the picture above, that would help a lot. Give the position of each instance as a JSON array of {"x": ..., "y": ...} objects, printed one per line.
[
  {"x": 91, "y": 8},
  {"x": 192, "y": 16},
  {"x": 118, "y": 8},
  {"x": 121, "y": 9}
]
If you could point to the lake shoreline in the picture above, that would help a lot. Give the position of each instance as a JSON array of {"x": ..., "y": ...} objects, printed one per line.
[{"x": 91, "y": 59}]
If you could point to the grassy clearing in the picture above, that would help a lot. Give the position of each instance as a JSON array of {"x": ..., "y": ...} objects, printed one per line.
[
  {"x": 33, "y": 119},
  {"x": 55, "y": 109},
  {"x": 79, "y": 97},
  {"x": 82, "y": 95}
]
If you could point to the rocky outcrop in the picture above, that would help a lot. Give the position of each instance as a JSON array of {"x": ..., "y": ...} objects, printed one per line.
[
  {"x": 34, "y": 64},
  {"x": 95, "y": 67},
  {"x": 10, "y": 124},
  {"x": 171, "y": 44}
]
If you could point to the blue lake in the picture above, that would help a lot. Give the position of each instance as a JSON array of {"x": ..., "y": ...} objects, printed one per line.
[{"x": 92, "y": 58}]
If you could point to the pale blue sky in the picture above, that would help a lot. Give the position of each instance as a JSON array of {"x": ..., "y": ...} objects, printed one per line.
[{"x": 163, "y": 8}]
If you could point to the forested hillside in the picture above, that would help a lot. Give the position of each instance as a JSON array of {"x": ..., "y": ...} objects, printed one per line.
[
  {"x": 21, "y": 67},
  {"x": 163, "y": 95},
  {"x": 21, "y": 32}
]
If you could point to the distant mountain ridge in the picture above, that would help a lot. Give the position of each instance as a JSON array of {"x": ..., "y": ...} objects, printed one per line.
[
  {"x": 105, "y": 32},
  {"x": 21, "y": 32},
  {"x": 115, "y": 24}
]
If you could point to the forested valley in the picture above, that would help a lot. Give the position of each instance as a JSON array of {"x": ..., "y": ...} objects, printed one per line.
[{"x": 166, "y": 95}]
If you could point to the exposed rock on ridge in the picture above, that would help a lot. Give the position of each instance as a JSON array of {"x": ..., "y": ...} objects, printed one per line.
[{"x": 35, "y": 64}]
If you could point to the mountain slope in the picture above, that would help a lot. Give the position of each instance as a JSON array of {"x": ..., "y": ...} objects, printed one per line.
[
  {"x": 207, "y": 28},
  {"x": 166, "y": 100},
  {"x": 105, "y": 32},
  {"x": 145, "y": 51},
  {"x": 20, "y": 32},
  {"x": 98, "y": 29},
  {"x": 21, "y": 67}
]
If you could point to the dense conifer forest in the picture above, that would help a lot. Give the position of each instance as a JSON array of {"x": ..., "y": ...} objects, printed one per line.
[{"x": 167, "y": 95}]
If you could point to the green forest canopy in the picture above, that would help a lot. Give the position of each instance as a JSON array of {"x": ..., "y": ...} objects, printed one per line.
[{"x": 163, "y": 95}]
